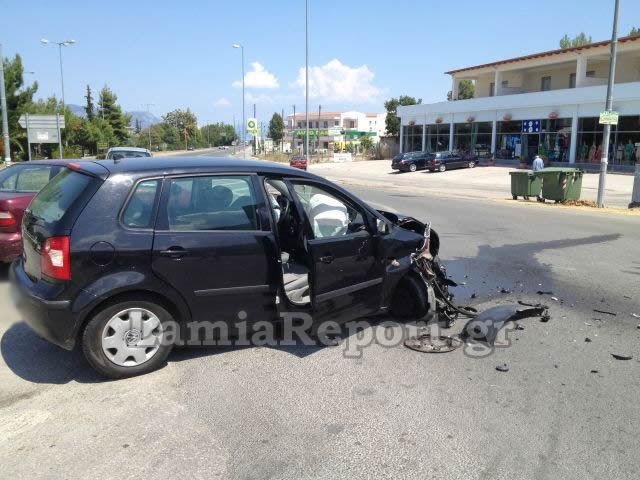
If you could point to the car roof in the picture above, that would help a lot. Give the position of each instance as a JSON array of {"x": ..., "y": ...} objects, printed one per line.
[
  {"x": 190, "y": 165},
  {"x": 128, "y": 149},
  {"x": 54, "y": 163}
]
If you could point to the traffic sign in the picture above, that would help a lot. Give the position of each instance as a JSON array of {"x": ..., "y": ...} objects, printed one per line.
[
  {"x": 41, "y": 121},
  {"x": 609, "y": 117}
]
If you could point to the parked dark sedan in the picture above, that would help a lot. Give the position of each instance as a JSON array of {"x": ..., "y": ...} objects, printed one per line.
[
  {"x": 18, "y": 185},
  {"x": 125, "y": 258},
  {"x": 411, "y": 161},
  {"x": 443, "y": 161}
]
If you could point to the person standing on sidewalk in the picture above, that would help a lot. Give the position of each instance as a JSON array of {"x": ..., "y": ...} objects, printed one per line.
[{"x": 538, "y": 164}]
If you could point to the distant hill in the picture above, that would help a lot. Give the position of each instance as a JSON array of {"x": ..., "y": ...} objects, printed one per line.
[
  {"x": 146, "y": 118},
  {"x": 77, "y": 110}
]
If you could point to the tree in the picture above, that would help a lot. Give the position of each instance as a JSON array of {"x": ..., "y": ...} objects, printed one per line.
[
  {"x": 184, "y": 121},
  {"x": 635, "y": 31},
  {"x": 138, "y": 126},
  {"x": 465, "y": 90},
  {"x": 89, "y": 107},
  {"x": 577, "y": 41},
  {"x": 18, "y": 101},
  {"x": 392, "y": 121},
  {"x": 276, "y": 128},
  {"x": 112, "y": 113},
  {"x": 366, "y": 144}
]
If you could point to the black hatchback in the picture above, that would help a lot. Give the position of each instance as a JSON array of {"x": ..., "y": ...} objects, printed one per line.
[{"x": 121, "y": 257}]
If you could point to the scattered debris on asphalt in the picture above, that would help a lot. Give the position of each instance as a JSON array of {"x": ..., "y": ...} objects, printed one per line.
[
  {"x": 502, "y": 368},
  {"x": 621, "y": 356},
  {"x": 473, "y": 295},
  {"x": 635, "y": 315},
  {"x": 542, "y": 292},
  {"x": 594, "y": 371},
  {"x": 485, "y": 326},
  {"x": 556, "y": 299},
  {"x": 519, "y": 327},
  {"x": 505, "y": 290},
  {"x": 545, "y": 317},
  {"x": 425, "y": 343},
  {"x": 588, "y": 324},
  {"x": 605, "y": 312},
  {"x": 587, "y": 340}
]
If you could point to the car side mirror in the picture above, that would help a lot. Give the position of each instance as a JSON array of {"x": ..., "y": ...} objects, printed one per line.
[{"x": 382, "y": 227}]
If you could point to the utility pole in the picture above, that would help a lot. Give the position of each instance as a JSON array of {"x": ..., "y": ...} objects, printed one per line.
[
  {"x": 293, "y": 129},
  {"x": 255, "y": 144},
  {"x": 609, "y": 107},
  {"x": 3, "y": 105},
  {"x": 149, "y": 105},
  {"x": 244, "y": 120},
  {"x": 318, "y": 125},
  {"x": 306, "y": 76},
  {"x": 66, "y": 43}
]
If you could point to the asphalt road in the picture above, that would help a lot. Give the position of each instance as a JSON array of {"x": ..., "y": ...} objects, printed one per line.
[{"x": 307, "y": 412}]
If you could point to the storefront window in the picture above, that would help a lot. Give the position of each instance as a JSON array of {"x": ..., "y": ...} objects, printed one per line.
[
  {"x": 508, "y": 140},
  {"x": 624, "y": 142},
  {"x": 412, "y": 141},
  {"x": 437, "y": 138},
  {"x": 555, "y": 139},
  {"x": 473, "y": 138}
]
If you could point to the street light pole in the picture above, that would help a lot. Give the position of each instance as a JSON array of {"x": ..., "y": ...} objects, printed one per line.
[
  {"x": 64, "y": 43},
  {"x": 306, "y": 76},
  {"x": 607, "y": 128},
  {"x": 3, "y": 105},
  {"x": 244, "y": 120}
]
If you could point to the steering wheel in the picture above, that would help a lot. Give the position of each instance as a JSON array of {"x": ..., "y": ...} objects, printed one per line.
[{"x": 285, "y": 207}]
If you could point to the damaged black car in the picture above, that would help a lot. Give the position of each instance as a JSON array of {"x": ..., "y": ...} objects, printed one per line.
[{"x": 115, "y": 251}]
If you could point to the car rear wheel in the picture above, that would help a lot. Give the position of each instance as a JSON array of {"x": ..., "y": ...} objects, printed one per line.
[
  {"x": 126, "y": 339},
  {"x": 410, "y": 299},
  {"x": 472, "y": 164},
  {"x": 442, "y": 167},
  {"x": 413, "y": 167}
]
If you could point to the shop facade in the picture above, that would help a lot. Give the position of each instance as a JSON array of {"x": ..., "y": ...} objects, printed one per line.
[{"x": 546, "y": 103}]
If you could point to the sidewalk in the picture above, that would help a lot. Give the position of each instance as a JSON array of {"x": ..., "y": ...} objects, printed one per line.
[{"x": 478, "y": 183}]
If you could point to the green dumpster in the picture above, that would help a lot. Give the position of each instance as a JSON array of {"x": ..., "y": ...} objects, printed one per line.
[
  {"x": 561, "y": 183},
  {"x": 525, "y": 183}
]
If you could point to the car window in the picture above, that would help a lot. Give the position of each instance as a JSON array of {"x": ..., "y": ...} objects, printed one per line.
[
  {"x": 212, "y": 203},
  {"x": 26, "y": 179},
  {"x": 120, "y": 154},
  {"x": 139, "y": 210},
  {"x": 329, "y": 215}
]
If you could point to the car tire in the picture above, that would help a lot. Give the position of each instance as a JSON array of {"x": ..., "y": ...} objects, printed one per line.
[
  {"x": 413, "y": 167},
  {"x": 442, "y": 167},
  {"x": 472, "y": 164},
  {"x": 97, "y": 336},
  {"x": 410, "y": 299}
]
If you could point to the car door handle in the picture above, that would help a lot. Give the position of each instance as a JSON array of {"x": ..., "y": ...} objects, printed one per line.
[
  {"x": 174, "y": 252},
  {"x": 327, "y": 259}
]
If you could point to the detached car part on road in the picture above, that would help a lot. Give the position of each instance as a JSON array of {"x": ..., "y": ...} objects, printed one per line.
[{"x": 114, "y": 251}]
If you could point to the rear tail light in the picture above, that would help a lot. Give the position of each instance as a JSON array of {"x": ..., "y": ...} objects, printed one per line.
[
  {"x": 7, "y": 219},
  {"x": 433, "y": 161},
  {"x": 55, "y": 258}
]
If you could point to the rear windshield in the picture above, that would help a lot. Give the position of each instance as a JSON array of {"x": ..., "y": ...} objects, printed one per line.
[
  {"x": 119, "y": 154},
  {"x": 61, "y": 200}
]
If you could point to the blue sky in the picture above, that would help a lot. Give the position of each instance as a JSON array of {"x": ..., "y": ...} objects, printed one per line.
[{"x": 179, "y": 54}]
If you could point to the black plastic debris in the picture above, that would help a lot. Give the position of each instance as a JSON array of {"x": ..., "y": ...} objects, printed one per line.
[
  {"x": 502, "y": 368},
  {"x": 545, "y": 317},
  {"x": 485, "y": 326},
  {"x": 519, "y": 327},
  {"x": 605, "y": 312},
  {"x": 621, "y": 356},
  {"x": 594, "y": 371},
  {"x": 473, "y": 295},
  {"x": 505, "y": 290},
  {"x": 542, "y": 292},
  {"x": 425, "y": 343},
  {"x": 587, "y": 340}
]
